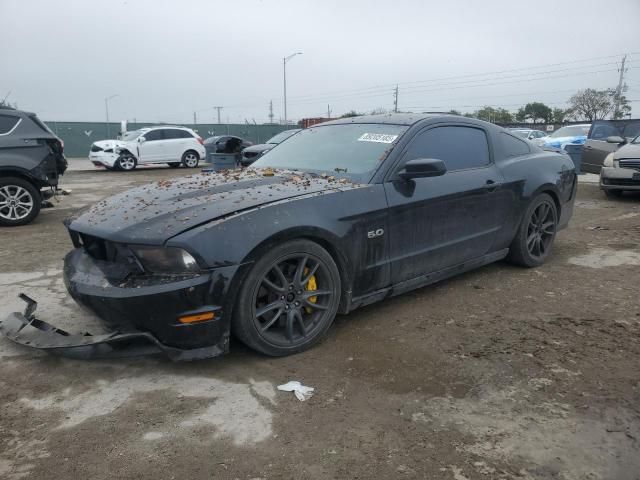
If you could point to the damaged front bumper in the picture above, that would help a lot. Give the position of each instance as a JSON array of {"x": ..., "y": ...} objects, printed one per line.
[
  {"x": 27, "y": 330},
  {"x": 143, "y": 315}
]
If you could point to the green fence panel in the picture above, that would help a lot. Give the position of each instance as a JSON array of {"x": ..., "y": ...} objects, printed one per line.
[{"x": 78, "y": 136}]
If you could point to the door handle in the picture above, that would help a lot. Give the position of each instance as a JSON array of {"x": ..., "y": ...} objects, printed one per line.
[{"x": 491, "y": 185}]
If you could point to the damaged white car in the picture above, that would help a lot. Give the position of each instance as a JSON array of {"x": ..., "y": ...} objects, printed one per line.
[{"x": 172, "y": 145}]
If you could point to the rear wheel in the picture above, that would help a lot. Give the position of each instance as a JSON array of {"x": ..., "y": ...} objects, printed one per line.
[
  {"x": 613, "y": 193},
  {"x": 536, "y": 233},
  {"x": 126, "y": 162},
  {"x": 190, "y": 159},
  {"x": 288, "y": 300},
  {"x": 20, "y": 202}
]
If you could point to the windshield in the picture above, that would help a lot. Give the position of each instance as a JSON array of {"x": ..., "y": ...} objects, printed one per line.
[
  {"x": 282, "y": 136},
  {"x": 571, "y": 131},
  {"x": 521, "y": 133},
  {"x": 212, "y": 140},
  {"x": 352, "y": 149},
  {"x": 131, "y": 135}
]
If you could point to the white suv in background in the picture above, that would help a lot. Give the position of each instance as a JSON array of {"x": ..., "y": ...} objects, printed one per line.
[{"x": 166, "y": 144}]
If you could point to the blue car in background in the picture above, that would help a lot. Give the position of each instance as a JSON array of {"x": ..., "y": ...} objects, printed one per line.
[{"x": 571, "y": 134}]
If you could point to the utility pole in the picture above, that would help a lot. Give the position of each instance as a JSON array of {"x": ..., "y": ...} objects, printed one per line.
[
  {"x": 620, "y": 88},
  {"x": 271, "y": 111},
  {"x": 328, "y": 111},
  {"x": 195, "y": 118},
  {"x": 284, "y": 75},
  {"x": 219, "y": 109},
  {"x": 395, "y": 100}
]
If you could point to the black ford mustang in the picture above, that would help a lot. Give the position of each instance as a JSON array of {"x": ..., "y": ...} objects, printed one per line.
[{"x": 341, "y": 215}]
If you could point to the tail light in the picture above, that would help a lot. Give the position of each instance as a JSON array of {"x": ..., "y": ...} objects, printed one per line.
[{"x": 200, "y": 141}]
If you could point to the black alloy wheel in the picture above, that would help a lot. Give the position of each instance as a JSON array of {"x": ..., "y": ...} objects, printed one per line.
[
  {"x": 536, "y": 233},
  {"x": 289, "y": 300}
]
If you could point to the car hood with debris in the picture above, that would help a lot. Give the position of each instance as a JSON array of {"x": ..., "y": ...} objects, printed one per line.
[
  {"x": 630, "y": 150},
  {"x": 154, "y": 213}
]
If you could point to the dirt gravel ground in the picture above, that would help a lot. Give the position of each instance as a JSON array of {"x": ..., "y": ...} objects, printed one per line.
[{"x": 501, "y": 373}]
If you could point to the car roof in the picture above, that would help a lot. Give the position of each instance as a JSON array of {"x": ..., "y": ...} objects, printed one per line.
[
  {"x": 392, "y": 118},
  {"x": 164, "y": 126}
]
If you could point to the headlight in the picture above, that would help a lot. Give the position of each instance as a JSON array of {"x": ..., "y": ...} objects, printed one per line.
[
  {"x": 165, "y": 259},
  {"x": 608, "y": 160}
]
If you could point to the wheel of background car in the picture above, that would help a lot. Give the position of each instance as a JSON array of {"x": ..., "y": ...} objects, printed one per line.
[
  {"x": 536, "y": 233},
  {"x": 613, "y": 193},
  {"x": 288, "y": 300},
  {"x": 190, "y": 159},
  {"x": 20, "y": 202},
  {"x": 126, "y": 162},
  {"x": 174, "y": 164}
]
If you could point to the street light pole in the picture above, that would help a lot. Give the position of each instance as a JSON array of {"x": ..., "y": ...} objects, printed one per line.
[
  {"x": 284, "y": 72},
  {"x": 106, "y": 109}
]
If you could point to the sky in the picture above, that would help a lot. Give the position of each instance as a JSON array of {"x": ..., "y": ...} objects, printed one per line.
[{"x": 166, "y": 60}]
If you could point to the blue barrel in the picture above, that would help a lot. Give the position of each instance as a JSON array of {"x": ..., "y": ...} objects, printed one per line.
[
  {"x": 575, "y": 152},
  {"x": 223, "y": 161}
]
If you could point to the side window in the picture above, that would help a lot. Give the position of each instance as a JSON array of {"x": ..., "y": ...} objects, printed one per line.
[
  {"x": 459, "y": 147},
  {"x": 540, "y": 134},
  {"x": 7, "y": 123},
  {"x": 632, "y": 130},
  {"x": 154, "y": 135},
  {"x": 602, "y": 131},
  {"x": 512, "y": 146},
  {"x": 185, "y": 134}
]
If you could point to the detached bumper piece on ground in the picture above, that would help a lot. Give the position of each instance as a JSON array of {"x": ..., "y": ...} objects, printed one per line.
[{"x": 27, "y": 330}]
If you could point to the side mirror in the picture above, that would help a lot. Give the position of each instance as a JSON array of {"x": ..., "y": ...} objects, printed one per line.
[
  {"x": 423, "y": 167},
  {"x": 141, "y": 139},
  {"x": 616, "y": 139}
]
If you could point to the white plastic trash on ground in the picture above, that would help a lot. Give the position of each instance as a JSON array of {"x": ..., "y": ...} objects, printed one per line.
[{"x": 301, "y": 392}]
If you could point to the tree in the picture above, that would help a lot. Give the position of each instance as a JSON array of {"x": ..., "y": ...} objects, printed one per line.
[
  {"x": 537, "y": 111},
  {"x": 559, "y": 115},
  {"x": 352, "y": 113},
  {"x": 495, "y": 115},
  {"x": 521, "y": 116},
  {"x": 454, "y": 112},
  {"x": 591, "y": 104},
  {"x": 379, "y": 111}
]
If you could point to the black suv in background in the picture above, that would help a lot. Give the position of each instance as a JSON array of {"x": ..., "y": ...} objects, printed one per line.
[
  {"x": 31, "y": 160},
  {"x": 604, "y": 138}
]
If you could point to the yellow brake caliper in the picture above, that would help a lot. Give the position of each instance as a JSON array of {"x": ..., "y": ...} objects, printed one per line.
[{"x": 310, "y": 287}]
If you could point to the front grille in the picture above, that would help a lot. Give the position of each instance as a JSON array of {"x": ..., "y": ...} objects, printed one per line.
[
  {"x": 634, "y": 163},
  {"x": 95, "y": 148}
]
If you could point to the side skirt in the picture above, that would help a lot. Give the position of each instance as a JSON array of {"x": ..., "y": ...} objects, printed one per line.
[{"x": 424, "y": 280}]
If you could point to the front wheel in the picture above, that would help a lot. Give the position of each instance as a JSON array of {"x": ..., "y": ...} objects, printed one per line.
[
  {"x": 532, "y": 243},
  {"x": 288, "y": 300},
  {"x": 126, "y": 162},
  {"x": 190, "y": 159},
  {"x": 20, "y": 202}
]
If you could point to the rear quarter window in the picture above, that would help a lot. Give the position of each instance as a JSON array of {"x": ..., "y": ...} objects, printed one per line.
[
  {"x": 512, "y": 146},
  {"x": 7, "y": 123}
]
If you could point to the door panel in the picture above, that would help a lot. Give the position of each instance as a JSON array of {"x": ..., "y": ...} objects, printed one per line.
[
  {"x": 152, "y": 149},
  {"x": 594, "y": 152},
  {"x": 439, "y": 222}
]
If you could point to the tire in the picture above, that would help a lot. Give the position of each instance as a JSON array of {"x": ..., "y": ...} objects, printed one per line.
[
  {"x": 536, "y": 233},
  {"x": 174, "y": 164},
  {"x": 301, "y": 318},
  {"x": 126, "y": 162},
  {"x": 613, "y": 193},
  {"x": 20, "y": 202},
  {"x": 190, "y": 159}
]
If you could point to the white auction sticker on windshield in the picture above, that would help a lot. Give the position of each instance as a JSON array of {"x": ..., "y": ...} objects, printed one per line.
[{"x": 377, "y": 137}]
